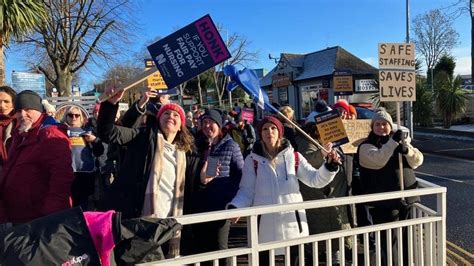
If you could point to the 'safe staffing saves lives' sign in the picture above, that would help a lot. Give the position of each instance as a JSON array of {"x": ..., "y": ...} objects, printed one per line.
[{"x": 397, "y": 72}]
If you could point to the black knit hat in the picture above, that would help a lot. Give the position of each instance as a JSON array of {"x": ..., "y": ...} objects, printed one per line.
[
  {"x": 28, "y": 100},
  {"x": 214, "y": 115}
]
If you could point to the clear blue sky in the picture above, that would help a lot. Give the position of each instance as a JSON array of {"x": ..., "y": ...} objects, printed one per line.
[{"x": 296, "y": 26}]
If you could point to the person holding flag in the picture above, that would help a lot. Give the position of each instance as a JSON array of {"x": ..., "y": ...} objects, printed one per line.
[{"x": 270, "y": 176}]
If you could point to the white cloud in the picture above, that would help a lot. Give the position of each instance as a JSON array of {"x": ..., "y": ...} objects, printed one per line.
[
  {"x": 371, "y": 61},
  {"x": 463, "y": 60}
]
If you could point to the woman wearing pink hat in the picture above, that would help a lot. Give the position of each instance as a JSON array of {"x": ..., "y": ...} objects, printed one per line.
[
  {"x": 151, "y": 178},
  {"x": 270, "y": 176}
]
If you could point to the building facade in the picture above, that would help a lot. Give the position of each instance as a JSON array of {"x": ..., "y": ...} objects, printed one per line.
[{"x": 299, "y": 80}]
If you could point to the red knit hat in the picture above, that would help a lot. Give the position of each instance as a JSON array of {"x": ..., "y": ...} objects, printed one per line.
[
  {"x": 173, "y": 107},
  {"x": 343, "y": 105},
  {"x": 273, "y": 120}
]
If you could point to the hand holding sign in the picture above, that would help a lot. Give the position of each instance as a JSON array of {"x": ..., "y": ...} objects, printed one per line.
[
  {"x": 114, "y": 96},
  {"x": 146, "y": 95}
]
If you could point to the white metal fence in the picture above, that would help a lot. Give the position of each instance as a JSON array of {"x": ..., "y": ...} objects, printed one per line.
[{"x": 425, "y": 231}]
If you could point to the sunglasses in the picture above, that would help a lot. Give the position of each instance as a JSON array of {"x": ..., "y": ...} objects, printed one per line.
[{"x": 73, "y": 115}]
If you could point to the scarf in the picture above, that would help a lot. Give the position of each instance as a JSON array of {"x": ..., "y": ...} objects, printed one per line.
[
  {"x": 152, "y": 190},
  {"x": 5, "y": 133}
]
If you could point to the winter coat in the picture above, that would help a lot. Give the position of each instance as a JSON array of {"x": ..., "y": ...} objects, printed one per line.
[
  {"x": 127, "y": 192},
  {"x": 379, "y": 166},
  {"x": 216, "y": 194},
  {"x": 36, "y": 179},
  {"x": 244, "y": 137},
  {"x": 72, "y": 237},
  {"x": 265, "y": 184}
]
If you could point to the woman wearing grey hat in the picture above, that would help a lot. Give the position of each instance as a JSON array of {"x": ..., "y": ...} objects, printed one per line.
[{"x": 379, "y": 168}]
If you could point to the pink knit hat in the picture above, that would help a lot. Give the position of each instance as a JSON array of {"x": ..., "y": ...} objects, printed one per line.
[
  {"x": 173, "y": 107},
  {"x": 273, "y": 120}
]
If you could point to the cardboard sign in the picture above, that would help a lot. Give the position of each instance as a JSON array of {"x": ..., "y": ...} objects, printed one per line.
[
  {"x": 189, "y": 51},
  {"x": 247, "y": 114},
  {"x": 397, "y": 72},
  {"x": 357, "y": 131},
  {"x": 330, "y": 128},
  {"x": 397, "y": 85},
  {"x": 399, "y": 56}
]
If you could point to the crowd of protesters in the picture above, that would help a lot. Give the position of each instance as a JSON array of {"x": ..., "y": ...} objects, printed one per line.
[{"x": 158, "y": 160}]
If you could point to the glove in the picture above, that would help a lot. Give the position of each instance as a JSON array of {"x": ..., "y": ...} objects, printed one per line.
[
  {"x": 332, "y": 166},
  {"x": 398, "y": 136},
  {"x": 402, "y": 149}
]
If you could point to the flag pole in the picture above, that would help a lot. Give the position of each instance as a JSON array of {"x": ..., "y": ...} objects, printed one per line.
[{"x": 315, "y": 142}]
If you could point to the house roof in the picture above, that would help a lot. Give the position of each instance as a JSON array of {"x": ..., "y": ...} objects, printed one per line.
[{"x": 322, "y": 63}]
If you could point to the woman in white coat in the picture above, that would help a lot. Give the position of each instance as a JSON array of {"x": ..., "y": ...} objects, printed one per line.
[{"x": 270, "y": 176}]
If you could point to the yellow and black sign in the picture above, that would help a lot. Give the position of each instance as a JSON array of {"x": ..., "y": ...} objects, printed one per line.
[
  {"x": 156, "y": 81},
  {"x": 149, "y": 63},
  {"x": 77, "y": 141},
  {"x": 331, "y": 129}
]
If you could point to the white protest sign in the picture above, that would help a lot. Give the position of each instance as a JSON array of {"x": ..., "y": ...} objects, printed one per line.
[{"x": 397, "y": 72}]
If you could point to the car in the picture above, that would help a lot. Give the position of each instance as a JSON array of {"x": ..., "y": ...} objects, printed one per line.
[
  {"x": 469, "y": 88},
  {"x": 364, "y": 113}
]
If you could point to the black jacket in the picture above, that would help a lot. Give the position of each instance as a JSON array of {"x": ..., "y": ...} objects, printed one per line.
[
  {"x": 127, "y": 192},
  {"x": 385, "y": 179},
  {"x": 64, "y": 238}
]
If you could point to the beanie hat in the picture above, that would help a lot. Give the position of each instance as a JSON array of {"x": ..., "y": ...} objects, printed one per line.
[
  {"x": 352, "y": 110},
  {"x": 341, "y": 104},
  {"x": 273, "y": 120},
  {"x": 321, "y": 106},
  {"x": 381, "y": 114},
  {"x": 28, "y": 99},
  {"x": 49, "y": 108},
  {"x": 214, "y": 115},
  {"x": 173, "y": 107}
]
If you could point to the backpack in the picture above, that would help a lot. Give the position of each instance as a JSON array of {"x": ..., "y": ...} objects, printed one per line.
[{"x": 297, "y": 163}]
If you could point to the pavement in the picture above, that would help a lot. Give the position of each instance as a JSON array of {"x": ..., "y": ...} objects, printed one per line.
[{"x": 457, "y": 141}]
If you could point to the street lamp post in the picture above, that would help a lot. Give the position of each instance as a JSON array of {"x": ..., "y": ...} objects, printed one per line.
[{"x": 410, "y": 103}]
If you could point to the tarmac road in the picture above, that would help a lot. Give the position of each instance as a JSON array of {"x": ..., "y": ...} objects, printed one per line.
[{"x": 449, "y": 162}]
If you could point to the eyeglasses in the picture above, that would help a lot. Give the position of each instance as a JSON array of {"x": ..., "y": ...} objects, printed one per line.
[{"x": 73, "y": 115}]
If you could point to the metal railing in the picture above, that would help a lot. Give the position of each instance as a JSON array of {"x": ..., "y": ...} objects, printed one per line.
[{"x": 425, "y": 231}]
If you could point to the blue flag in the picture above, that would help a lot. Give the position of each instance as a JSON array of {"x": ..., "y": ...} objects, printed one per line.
[{"x": 248, "y": 81}]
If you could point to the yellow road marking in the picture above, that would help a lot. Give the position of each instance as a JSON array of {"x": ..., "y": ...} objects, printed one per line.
[
  {"x": 460, "y": 249},
  {"x": 458, "y": 257}
]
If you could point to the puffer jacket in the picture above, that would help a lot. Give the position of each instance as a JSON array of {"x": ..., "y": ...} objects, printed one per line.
[
  {"x": 217, "y": 193},
  {"x": 265, "y": 184}
]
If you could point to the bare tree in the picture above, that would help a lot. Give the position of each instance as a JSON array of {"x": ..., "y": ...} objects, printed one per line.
[
  {"x": 238, "y": 47},
  {"x": 434, "y": 36},
  {"x": 121, "y": 73},
  {"x": 77, "y": 33}
]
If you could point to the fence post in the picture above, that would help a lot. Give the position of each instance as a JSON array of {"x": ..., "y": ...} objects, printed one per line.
[
  {"x": 441, "y": 228},
  {"x": 252, "y": 236}
]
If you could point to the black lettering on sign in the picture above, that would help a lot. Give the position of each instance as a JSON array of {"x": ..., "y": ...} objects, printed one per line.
[{"x": 398, "y": 92}]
